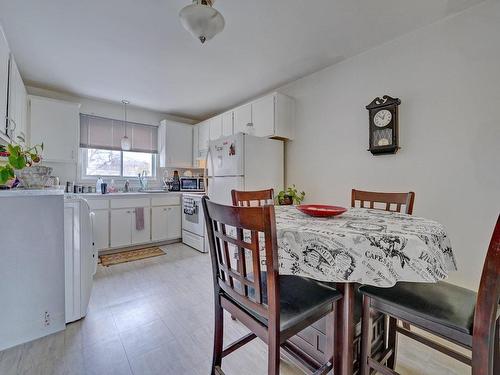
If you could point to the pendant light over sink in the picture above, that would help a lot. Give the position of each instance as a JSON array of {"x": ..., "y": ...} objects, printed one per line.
[
  {"x": 202, "y": 20},
  {"x": 125, "y": 141}
]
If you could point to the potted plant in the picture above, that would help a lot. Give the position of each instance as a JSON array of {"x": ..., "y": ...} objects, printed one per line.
[
  {"x": 290, "y": 196},
  {"x": 22, "y": 162}
]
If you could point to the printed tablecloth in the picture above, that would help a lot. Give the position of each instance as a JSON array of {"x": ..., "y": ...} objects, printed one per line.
[{"x": 367, "y": 246}]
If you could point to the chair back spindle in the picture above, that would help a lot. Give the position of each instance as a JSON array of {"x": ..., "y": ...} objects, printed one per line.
[
  {"x": 252, "y": 198},
  {"x": 369, "y": 199}
]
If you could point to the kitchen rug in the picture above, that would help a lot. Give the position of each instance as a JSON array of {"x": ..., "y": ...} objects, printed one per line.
[{"x": 130, "y": 256}]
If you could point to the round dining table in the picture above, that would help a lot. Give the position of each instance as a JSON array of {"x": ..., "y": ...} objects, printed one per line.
[{"x": 361, "y": 246}]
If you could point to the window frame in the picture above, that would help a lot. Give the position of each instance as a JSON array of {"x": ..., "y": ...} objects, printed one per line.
[{"x": 85, "y": 177}]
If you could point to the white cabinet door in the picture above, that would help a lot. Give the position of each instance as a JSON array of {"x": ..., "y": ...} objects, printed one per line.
[
  {"x": 227, "y": 124},
  {"x": 17, "y": 103},
  {"x": 120, "y": 228},
  {"x": 215, "y": 128},
  {"x": 159, "y": 230},
  {"x": 101, "y": 229},
  {"x": 4, "y": 79},
  {"x": 175, "y": 144},
  {"x": 263, "y": 116},
  {"x": 55, "y": 124},
  {"x": 143, "y": 235},
  {"x": 195, "y": 146},
  {"x": 174, "y": 226},
  {"x": 242, "y": 117},
  {"x": 203, "y": 135}
]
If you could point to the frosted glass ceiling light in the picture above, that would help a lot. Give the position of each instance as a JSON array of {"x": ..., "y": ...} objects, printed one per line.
[
  {"x": 201, "y": 20},
  {"x": 125, "y": 141}
]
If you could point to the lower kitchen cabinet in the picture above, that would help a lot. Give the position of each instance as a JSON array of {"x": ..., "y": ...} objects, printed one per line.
[
  {"x": 143, "y": 235},
  {"x": 166, "y": 223},
  {"x": 123, "y": 228},
  {"x": 100, "y": 229},
  {"x": 114, "y": 223},
  {"x": 120, "y": 227}
]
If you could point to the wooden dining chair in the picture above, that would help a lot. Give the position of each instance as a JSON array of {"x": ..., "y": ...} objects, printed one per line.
[
  {"x": 271, "y": 306},
  {"x": 252, "y": 198},
  {"x": 392, "y": 201},
  {"x": 463, "y": 317}
]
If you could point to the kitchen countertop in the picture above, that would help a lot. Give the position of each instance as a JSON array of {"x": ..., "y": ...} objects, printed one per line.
[
  {"x": 30, "y": 193},
  {"x": 123, "y": 195}
]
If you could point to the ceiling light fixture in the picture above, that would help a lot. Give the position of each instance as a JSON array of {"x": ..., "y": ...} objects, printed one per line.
[
  {"x": 125, "y": 141},
  {"x": 202, "y": 20}
]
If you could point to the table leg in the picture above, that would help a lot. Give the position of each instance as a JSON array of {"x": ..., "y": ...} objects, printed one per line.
[{"x": 344, "y": 337}]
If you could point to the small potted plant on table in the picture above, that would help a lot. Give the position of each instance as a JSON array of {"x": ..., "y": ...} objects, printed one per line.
[{"x": 290, "y": 196}]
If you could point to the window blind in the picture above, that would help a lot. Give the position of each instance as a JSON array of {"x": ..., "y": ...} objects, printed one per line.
[{"x": 104, "y": 133}]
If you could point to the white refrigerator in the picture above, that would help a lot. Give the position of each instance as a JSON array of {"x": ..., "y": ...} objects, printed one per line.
[{"x": 244, "y": 162}]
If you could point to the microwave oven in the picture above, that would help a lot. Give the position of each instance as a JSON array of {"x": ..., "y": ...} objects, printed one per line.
[{"x": 192, "y": 184}]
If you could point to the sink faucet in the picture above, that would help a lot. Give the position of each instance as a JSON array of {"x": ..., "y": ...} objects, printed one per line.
[{"x": 143, "y": 181}]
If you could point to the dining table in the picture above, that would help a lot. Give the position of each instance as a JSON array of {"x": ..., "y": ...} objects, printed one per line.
[{"x": 361, "y": 246}]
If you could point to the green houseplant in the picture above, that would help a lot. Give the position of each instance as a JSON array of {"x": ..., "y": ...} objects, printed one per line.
[
  {"x": 290, "y": 196},
  {"x": 19, "y": 156}
]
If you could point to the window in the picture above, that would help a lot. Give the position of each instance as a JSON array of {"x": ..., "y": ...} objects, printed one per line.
[
  {"x": 101, "y": 150},
  {"x": 112, "y": 163}
]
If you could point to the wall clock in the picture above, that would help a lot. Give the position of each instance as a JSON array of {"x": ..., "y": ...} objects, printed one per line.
[{"x": 383, "y": 125}]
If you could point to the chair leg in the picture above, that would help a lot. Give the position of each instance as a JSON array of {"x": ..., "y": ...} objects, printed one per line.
[
  {"x": 366, "y": 339},
  {"x": 392, "y": 342},
  {"x": 218, "y": 338},
  {"x": 330, "y": 340},
  {"x": 273, "y": 350}
]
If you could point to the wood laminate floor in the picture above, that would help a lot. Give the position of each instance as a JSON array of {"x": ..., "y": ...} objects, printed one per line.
[{"x": 153, "y": 317}]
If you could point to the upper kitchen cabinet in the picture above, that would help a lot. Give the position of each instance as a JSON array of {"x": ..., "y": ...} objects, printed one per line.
[
  {"x": 203, "y": 135},
  {"x": 18, "y": 104},
  {"x": 273, "y": 116},
  {"x": 263, "y": 116},
  {"x": 243, "y": 119},
  {"x": 55, "y": 123},
  {"x": 175, "y": 144},
  {"x": 4, "y": 82},
  {"x": 215, "y": 127},
  {"x": 227, "y": 124}
]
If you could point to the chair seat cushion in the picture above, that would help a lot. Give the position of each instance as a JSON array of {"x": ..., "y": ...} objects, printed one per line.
[
  {"x": 442, "y": 303},
  {"x": 300, "y": 298}
]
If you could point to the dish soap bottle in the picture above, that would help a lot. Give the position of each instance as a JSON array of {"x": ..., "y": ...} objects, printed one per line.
[{"x": 98, "y": 185}]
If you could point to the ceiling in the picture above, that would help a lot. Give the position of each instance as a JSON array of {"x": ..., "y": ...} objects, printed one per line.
[{"x": 138, "y": 50}]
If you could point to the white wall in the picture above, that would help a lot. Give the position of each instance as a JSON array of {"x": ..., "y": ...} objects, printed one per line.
[
  {"x": 448, "y": 78},
  {"x": 68, "y": 171},
  {"x": 31, "y": 267},
  {"x": 110, "y": 109}
]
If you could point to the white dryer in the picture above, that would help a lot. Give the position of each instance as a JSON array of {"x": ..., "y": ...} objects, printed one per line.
[{"x": 80, "y": 256}]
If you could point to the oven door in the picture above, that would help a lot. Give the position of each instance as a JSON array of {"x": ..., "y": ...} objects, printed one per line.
[{"x": 192, "y": 215}]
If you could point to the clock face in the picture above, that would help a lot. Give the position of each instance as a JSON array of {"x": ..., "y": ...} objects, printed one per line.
[{"x": 382, "y": 118}]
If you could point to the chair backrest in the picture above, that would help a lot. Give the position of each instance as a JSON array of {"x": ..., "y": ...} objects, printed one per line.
[
  {"x": 485, "y": 315},
  {"x": 252, "y": 198},
  {"x": 389, "y": 199},
  {"x": 244, "y": 229}
]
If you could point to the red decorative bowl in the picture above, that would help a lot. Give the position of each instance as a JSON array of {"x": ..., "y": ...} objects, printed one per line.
[{"x": 320, "y": 210}]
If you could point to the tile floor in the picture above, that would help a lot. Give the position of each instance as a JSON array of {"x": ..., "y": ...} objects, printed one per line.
[{"x": 155, "y": 317}]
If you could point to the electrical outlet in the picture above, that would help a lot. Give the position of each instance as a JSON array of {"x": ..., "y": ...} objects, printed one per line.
[{"x": 46, "y": 319}]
